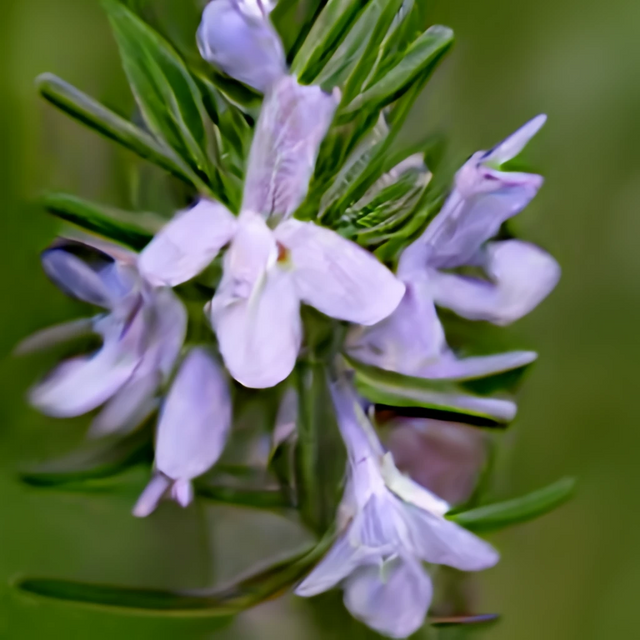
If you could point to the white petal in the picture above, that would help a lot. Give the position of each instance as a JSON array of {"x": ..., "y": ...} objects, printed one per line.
[
  {"x": 132, "y": 404},
  {"x": 392, "y": 599},
  {"x": 440, "y": 541},
  {"x": 195, "y": 419},
  {"x": 408, "y": 490},
  {"x": 238, "y": 38},
  {"x": 451, "y": 368},
  {"x": 82, "y": 384},
  {"x": 293, "y": 122},
  {"x": 182, "y": 492},
  {"x": 151, "y": 496},
  {"x": 187, "y": 244},
  {"x": 516, "y": 142},
  {"x": 252, "y": 252},
  {"x": 340, "y": 561},
  {"x": 409, "y": 340},
  {"x": 338, "y": 277},
  {"x": 259, "y": 336},
  {"x": 522, "y": 275},
  {"x": 168, "y": 331}
]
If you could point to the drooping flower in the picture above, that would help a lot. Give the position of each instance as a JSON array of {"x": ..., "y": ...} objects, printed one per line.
[
  {"x": 519, "y": 275},
  {"x": 274, "y": 262},
  {"x": 390, "y": 525},
  {"x": 142, "y": 332},
  {"x": 192, "y": 430}
]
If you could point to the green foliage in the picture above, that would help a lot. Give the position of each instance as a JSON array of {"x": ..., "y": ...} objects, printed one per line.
[
  {"x": 325, "y": 36},
  {"x": 421, "y": 57},
  {"x": 167, "y": 95},
  {"x": 90, "y": 112},
  {"x": 96, "y": 460},
  {"x": 246, "y": 592},
  {"x": 132, "y": 229},
  {"x": 492, "y": 517},
  {"x": 448, "y": 399}
]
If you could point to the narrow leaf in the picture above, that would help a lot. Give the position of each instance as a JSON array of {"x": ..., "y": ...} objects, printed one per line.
[
  {"x": 454, "y": 621},
  {"x": 396, "y": 390},
  {"x": 385, "y": 14},
  {"x": 422, "y": 55},
  {"x": 503, "y": 514},
  {"x": 132, "y": 229},
  {"x": 167, "y": 95},
  {"x": 96, "y": 460},
  {"x": 325, "y": 36},
  {"x": 229, "y": 600},
  {"x": 358, "y": 49},
  {"x": 375, "y": 158},
  {"x": 95, "y": 115},
  {"x": 257, "y": 498}
]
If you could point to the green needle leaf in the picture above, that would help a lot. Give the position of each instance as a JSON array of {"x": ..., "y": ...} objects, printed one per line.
[
  {"x": 325, "y": 36},
  {"x": 257, "y": 498},
  {"x": 167, "y": 95},
  {"x": 423, "y": 55},
  {"x": 95, "y": 115},
  {"x": 396, "y": 390},
  {"x": 229, "y": 600},
  {"x": 503, "y": 514},
  {"x": 96, "y": 460},
  {"x": 132, "y": 229}
]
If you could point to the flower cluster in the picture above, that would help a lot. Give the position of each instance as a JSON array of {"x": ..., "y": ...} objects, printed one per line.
[{"x": 272, "y": 264}]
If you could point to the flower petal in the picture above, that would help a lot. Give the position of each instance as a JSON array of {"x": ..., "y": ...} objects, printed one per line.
[
  {"x": 482, "y": 199},
  {"x": 165, "y": 331},
  {"x": 238, "y": 38},
  {"x": 76, "y": 278},
  {"x": 168, "y": 331},
  {"x": 187, "y": 244},
  {"x": 516, "y": 142},
  {"x": 259, "y": 336},
  {"x": 522, "y": 276},
  {"x": 151, "y": 496},
  {"x": 441, "y": 541},
  {"x": 293, "y": 122},
  {"x": 195, "y": 419},
  {"x": 409, "y": 340},
  {"x": 451, "y": 368},
  {"x": 131, "y": 405},
  {"x": 392, "y": 599},
  {"x": 82, "y": 384},
  {"x": 340, "y": 561},
  {"x": 338, "y": 277}
]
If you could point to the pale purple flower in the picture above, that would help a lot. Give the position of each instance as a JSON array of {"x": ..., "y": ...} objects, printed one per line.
[
  {"x": 519, "y": 275},
  {"x": 192, "y": 430},
  {"x": 274, "y": 262},
  {"x": 237, "y": 37},
  {"x": 142, "y": 331},
  {"x": 389, "y": 526}
]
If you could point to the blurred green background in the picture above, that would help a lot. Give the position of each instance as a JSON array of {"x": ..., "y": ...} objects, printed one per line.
[{"x": 574, "y": 574}]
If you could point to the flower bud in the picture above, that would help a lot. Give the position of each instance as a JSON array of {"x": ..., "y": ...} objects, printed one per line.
[{"x": 237, "y": 37}]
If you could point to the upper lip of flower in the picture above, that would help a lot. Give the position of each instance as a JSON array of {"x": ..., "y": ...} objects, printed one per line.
[{"x": 255, "y": 311}]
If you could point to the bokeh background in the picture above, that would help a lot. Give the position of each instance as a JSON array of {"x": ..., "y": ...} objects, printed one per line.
[{"x": 572, "y": 575}]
